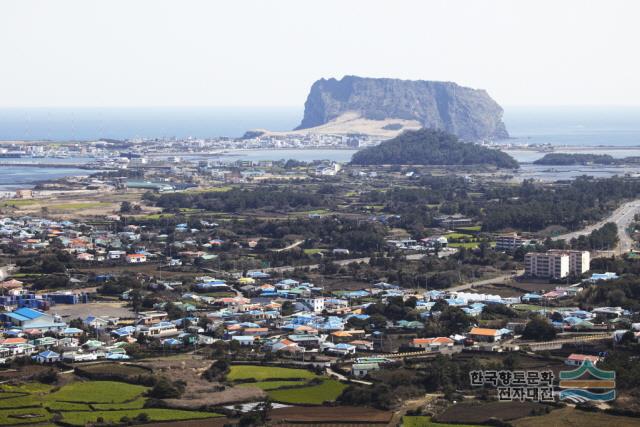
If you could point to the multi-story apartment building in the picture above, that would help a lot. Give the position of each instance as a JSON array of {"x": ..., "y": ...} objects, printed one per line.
[
  {"x": 509, "y": 242},
  {"x": 556, "y": 263}
]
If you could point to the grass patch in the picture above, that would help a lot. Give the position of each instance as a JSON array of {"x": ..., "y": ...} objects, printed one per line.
[
  {"x": 155, "y": 414},
  {"x": 27, "y": 388},
  {"x": 459, "y": 236},
  {"x": 20, "y": 402},
  {"x": 68, "y": 406},
  {"x": 97, "y": 392},
  {"x": 272, "y": 385},
  {"x": 329, "y": 390},
  {"x": 23, "y": 416},
  {"x": 134, "y": 404},
  {"x": 153, "y": 217},
  {"x": 18, "y": 203},
  {"x": 424, "y": 421},
  {"x": 527, "y": 307},
  {"x": 79, "y": 205},
  {"x": 210, "y": 190},
  {"x": 471, "y": 228},
  {"x": 313, "y": 251},
  {"x": 470, "y": 245},
  {"x": 261, "y": 373},
  {"x": 221, "y": 294}
]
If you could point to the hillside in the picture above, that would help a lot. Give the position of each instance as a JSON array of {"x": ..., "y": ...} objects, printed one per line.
[
  {"x": 568, "y": 159},
  {"x": 431, "y": 147},
  {"x": 470, "y": 114}
]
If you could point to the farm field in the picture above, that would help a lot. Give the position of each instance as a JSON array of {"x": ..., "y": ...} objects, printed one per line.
[
  {"x": 424, "y": 421},
  {"x": 271, "y": 385},
  {"x": 97, "y": 392},
  {"x": 84, "y": 401},
  {"x": 328, "y": 390},
  {"x": 568, "y": 417},
  {"x": 155, "y": 414},
  {"x": 261, "y": 373},
  {"x": 23, "y": 416},
  {"x": 278, "y": 382},
  {"x": 470, "y": 413}
]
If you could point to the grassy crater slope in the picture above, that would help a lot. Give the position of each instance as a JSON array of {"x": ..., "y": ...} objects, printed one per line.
[{"x": 431, "y": 147}]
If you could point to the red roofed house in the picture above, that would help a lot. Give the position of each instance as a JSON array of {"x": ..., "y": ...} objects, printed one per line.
[
  {"x": 576, "y": 359},
  {"x": 484, "y": 334},
  {"x": 432, "y": 344},
  {"x": 136, "y": 258}
]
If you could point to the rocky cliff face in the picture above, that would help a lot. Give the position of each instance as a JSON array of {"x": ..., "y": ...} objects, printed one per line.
[{"x": 470, "y": 114}]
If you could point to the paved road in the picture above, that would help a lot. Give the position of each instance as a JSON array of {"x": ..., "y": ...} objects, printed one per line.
[
  {"x": 341, "y": 262},
  {"x": 291, "y": 246},
  {"x": 622, "y": 217},
  {"x": 499, "y": 279}
]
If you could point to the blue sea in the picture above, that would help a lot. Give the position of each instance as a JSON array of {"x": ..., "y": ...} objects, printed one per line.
[
  {"x": 561, "y": 126},
  {"x": 588, "y": 126}
]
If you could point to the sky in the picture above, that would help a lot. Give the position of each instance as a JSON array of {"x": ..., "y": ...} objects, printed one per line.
[{"x": 146, "y": 53}]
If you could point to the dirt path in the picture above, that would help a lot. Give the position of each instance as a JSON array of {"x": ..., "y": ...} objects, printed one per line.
[{"x": 410, "y": 405}]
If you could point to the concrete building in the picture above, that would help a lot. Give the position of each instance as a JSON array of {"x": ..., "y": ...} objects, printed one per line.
[
  {"x": 509, "y": 242},
  {"x": 556, "y": 263}
]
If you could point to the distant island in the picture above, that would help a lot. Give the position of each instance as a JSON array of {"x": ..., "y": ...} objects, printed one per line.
[
  {"x": 375, "y": 105},
  {"x": 431, "y": 147},
  {"x": 569, "y": 159}
]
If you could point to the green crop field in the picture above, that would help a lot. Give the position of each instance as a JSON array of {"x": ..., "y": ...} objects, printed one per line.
[
  {"x": 23, "y": 416},
  {"x": 97, "y": 392},
  {"x": 79, "y": 205},
  {"x": 459, "y": 236},
  {"x": 470, "y": 245},
  {"x": 328, "y": 390},
  {"x": 27, "y": 388},
  {"x": 18, "y": 203},
  {"x": 134, "y": 404},
  {"x": 313, "y": 251},
  {"x": 20, "y": 401},
  {"x": 68, "y": 406},
  {"x": 423, "y": 421},
  {"x": 155, "y": 414},
  {"x": 76, "y": 403},
  {"x": 470, "y": 228},
  {"x": 261, "y": 373},
  {"x": 272, "y": 385}
]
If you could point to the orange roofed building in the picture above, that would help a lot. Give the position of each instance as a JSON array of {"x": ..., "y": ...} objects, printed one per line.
[
  {"x": 432, "y": 344},
  {"x": 484, "y": 334}
]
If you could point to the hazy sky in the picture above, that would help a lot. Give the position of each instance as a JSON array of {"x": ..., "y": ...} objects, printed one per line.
[{"x": 269, "y": 52}]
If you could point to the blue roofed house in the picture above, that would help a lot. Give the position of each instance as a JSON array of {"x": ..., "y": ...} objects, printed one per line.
[
  {"x": 28, "y": 318},
  {"x": 47, "y": 356}
]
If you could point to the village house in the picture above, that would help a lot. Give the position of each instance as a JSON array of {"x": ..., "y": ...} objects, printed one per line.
[{"x": 484, "y": 334}]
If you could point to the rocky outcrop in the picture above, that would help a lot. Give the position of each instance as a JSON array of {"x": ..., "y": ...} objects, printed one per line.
[{"x": 470, "y": 114}]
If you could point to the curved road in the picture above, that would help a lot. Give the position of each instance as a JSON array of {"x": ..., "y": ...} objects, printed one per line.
[{"x": 622, "y": 217}]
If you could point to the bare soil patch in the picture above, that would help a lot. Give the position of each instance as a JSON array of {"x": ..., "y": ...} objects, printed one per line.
[
  {"x": 199, "y": 392},
  {"x": 472, "y": 412}
]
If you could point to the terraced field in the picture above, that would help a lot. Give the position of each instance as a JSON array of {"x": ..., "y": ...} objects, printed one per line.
[{"x": 83, "y": 402}]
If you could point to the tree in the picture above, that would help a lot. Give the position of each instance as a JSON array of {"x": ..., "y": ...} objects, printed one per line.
[
  {"x": 539, "y": 329},
  {"x": 217, "y": 371},
  {"x": 166, "y": 389},
  {"x": 125, "y": 207}
]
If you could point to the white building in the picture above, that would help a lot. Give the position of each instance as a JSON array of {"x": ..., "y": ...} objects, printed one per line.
[
  {"x": 556, "y": 263},
  {"x": 315, "y": 304},
  {"x": 509, "y": 242}
]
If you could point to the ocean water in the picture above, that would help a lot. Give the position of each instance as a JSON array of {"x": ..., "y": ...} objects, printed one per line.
[
  {"x": 571, "y": 125},
  {"x": 589, "y": 126},
  {"x": 69, "y": 124},
  {"x": 561, "y": 126}
]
